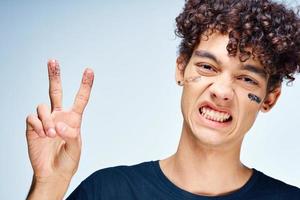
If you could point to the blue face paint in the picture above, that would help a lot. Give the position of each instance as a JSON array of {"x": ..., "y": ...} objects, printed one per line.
[{"x": 255, "y": 98}]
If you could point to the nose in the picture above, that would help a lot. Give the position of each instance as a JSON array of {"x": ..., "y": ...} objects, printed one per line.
[{"x": 221, "y": 91}]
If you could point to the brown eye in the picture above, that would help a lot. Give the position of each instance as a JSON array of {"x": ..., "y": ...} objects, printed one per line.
[
  {"x": 205, "y": 67},
  {"x": 248, "y": 80}
]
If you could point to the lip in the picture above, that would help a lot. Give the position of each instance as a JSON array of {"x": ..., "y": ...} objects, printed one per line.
[
  {"x": 211, "y": 123},
  {"x": 206, "y": 103}
]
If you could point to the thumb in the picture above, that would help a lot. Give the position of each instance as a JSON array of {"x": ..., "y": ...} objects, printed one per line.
[{"x": 71, "y": 137}]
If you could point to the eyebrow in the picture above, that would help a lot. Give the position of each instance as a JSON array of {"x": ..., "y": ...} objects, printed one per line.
[
  {"x": 206, "y": 54},
  {"x": 252, "y": 68},
  {"x": 248, "y": 67}
]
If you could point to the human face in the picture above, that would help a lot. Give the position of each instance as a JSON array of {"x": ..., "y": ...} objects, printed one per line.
[{"x": 216, "y": 108}]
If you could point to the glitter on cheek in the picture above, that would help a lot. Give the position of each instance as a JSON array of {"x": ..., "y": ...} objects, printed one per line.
[
  {"x": 189, "y": 80},
  {"x": 253, "y": 97}
]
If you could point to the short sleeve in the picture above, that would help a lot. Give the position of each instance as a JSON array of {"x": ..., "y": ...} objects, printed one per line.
[{"x": 86, "y": 189}]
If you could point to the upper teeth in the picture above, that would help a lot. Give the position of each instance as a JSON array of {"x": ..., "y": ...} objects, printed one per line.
[{"x": 214, "y": 115}]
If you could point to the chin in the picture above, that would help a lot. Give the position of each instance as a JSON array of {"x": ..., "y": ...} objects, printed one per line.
[{"x": 208, "y": 137}]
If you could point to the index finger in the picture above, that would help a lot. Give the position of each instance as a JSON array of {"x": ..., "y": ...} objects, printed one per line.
[
  {"x": 55, "y": 88},
  {"x": 84, "y": 91}
]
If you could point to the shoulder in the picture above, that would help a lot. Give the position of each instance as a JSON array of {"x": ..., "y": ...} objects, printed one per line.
[
  {"x": 113, "y": 182},
  {"x": 122, "y": 175},
  {"x": 118, "y": 172},
  {"x": 275, "y": 187}
]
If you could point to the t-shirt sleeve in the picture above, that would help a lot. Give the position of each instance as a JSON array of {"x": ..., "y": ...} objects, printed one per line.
[
  {"x": 81, "y": 192},
  {"x": 109, "y": 183},
  {"x": 85, "y": 190}
]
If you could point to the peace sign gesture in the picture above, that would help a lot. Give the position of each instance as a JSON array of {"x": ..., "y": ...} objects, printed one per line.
[{"x": 53, "y": 135}]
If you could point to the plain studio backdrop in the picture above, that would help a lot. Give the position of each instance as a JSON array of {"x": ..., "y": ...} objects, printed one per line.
[{"x": 134, "y": 110}]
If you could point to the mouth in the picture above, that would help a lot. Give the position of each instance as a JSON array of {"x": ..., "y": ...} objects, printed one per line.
[{"x": 215, "y": 115}]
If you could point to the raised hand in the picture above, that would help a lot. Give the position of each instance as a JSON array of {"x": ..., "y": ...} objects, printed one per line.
[{"x": 53, "y": 134}]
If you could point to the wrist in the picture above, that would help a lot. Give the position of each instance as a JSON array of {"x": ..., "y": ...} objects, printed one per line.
[{"x": 53, "y": 188}]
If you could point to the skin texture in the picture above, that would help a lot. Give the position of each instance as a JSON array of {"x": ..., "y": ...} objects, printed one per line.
[
  {"x": 270, "y": 28},
  {"x": 208, "y": 151},
  {"x": 54, "y": 138}
]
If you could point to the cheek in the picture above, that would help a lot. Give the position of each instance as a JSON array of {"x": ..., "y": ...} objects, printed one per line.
[
  {"x": 190, "y": 97},
  {"x": 248, "y": 110},
  {"x": 247, "y": 121},
  {"x": 194, "y": 88}
]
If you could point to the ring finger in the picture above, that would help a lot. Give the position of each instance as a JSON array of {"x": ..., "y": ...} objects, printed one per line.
[{"x": 44, "y": 114}]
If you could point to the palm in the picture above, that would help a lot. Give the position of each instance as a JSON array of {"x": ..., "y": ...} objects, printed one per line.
[
  {"x": 59, "y": 155},
  {"x": 49, "y": 154}
]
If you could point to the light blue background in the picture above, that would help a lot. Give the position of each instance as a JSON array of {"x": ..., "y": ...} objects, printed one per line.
[{"x": 134, "y": 113}]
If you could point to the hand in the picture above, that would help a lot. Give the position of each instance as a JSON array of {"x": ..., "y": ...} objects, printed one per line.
[{"x": 53, "y": 135}]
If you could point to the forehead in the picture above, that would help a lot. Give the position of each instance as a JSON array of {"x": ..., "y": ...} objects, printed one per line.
[{"x": 216, "y": 44}]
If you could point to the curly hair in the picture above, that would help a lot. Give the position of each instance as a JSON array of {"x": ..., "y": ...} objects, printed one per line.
[{"x": 271, "y": 30}]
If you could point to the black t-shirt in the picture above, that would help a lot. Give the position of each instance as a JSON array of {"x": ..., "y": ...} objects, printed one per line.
[{"x": 146, "y": 181}]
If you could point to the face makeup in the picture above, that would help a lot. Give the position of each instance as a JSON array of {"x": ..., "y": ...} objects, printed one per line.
[
  {"x": 189, "y": 80},
  {"x": 253, "y": 97}
]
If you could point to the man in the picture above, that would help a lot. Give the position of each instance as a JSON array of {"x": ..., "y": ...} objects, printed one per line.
[{"x": 232, "y": 60}]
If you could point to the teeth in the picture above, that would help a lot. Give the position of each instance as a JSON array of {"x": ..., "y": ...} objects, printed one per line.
[{"x": 210, "y": 114}]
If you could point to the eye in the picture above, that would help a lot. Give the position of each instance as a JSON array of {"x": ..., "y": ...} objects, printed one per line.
[
  {"x": 205, "y": 68},
  {"x": 248, "y": 80}
]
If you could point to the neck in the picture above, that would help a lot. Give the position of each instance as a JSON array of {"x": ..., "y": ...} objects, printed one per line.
[{"x": 204, "y": 169}]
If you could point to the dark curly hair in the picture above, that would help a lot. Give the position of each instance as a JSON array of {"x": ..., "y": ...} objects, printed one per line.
[{"x": 271, "y": 30}]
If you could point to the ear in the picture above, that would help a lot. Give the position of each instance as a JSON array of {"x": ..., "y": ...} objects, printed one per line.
[
  {"x": 271, "y": 99},
  {"x": 180, "y": 67}
]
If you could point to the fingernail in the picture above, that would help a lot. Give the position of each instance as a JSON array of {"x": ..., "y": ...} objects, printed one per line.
[
  {"x": 52, "y": 62},
  {"x": 89, "y": 70},
  {"x": 51, "y": 132}
]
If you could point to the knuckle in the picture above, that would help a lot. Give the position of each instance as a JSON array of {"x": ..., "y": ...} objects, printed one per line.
[
  {"x": 43, "y": 111},
  {"x": 55, "y": 92},
  {"x": 77, "y": 111},
  {"x": 29, "y": 118},
  {"x": 38, "y": 130},
  {"x": 33, "y": 124},
  {"x": 41, "y": 106},
  {"x": 82, "y": 97},
  {"x": 48, "y": 123},
  {"x": 57, "y": 108}
]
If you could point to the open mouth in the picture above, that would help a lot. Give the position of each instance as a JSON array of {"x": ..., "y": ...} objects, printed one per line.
[{"x": 214, "y": 115}]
